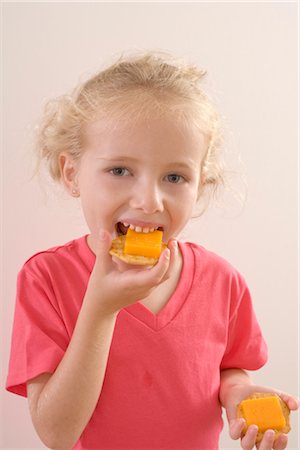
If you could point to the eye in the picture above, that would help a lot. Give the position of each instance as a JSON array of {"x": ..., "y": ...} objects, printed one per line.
[
  {"x": 174, "y": 178},
  {"x": 119, "y": 171}
]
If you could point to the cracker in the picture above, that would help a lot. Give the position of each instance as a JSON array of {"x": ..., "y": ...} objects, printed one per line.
[
  {"x": 285, "y": 410},
  {"x": 117, "y": 247}
]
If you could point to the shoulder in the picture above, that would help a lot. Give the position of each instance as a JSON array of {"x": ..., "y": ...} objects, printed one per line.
[
  {"x": 207, "y": 257},
  {"x": 213, "y": 266},
  {"x": 54, "y": 258}
]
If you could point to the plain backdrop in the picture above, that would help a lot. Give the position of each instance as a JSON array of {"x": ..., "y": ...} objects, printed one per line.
[{"x": 250, "y": 53}]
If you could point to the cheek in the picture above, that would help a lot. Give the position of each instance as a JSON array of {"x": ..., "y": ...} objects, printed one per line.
[
  {"x": 95, "y": 202},
  {"x": 183, "y": 204},
  {"x": 187, "y": 197}
]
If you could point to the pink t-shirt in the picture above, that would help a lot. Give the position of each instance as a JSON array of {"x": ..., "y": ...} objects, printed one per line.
[{"x": 162, "y": 379}]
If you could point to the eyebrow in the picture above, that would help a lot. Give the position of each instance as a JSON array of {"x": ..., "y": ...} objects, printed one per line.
[
  {"x": 118, "y": 158},
  {"x": 183, "y": 165}
]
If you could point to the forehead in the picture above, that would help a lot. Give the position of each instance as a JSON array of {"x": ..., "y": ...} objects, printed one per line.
[{"x": 152, "y": 136}]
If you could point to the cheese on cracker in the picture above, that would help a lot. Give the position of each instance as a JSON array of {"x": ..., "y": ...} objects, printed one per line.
[
  {"x": 141, "y": 249},
  {"x": 143, "y": 244},
  {"x": 267, "y": 411}
]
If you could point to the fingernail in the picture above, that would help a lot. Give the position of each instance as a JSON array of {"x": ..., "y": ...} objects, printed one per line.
[
  {"x": 102, "y": 235},
  {"x": 269, "y": 434},
  {"x": 173, "y": 245},
  {"x": 166, "y": 253},
  {"x": 237, "y": 422},
  {"x": 253, "y": 428}
]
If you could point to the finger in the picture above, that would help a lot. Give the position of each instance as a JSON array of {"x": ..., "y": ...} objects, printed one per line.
[
  {"x": 292, "y": 402},
  {"x": 155, "y": 275},
  {"x": 236, "y": 427},
  {"x": 248, "y": 441},
  {"x": 103, "y": 244},
  {"x": 173, "y": 246},
  {"x": 267, "y": 440},
  {"x": 281, "y": 442}
]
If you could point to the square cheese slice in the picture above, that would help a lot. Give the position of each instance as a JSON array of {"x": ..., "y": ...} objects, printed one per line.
[
  {"x": 143, "y": 244},
  {"x": 264, "y": 412}
]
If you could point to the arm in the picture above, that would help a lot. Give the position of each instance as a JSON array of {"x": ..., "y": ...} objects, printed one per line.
[
  {"x": 236, "y": 385},
  {"x": 62, "y": 404}
]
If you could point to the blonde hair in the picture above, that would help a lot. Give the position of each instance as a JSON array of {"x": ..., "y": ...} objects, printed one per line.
[{"x": 141, "y": 84}]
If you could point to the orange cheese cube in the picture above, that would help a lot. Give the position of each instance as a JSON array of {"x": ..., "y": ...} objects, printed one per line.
[
  {"x": 265, "y": 412},
  {"x": 143, "y": 244}
]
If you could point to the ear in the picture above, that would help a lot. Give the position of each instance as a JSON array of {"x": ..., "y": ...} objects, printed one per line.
[{"x": 68, "y": 170}]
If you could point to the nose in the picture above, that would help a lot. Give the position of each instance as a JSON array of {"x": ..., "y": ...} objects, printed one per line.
[{"x": 147, "y": 197}]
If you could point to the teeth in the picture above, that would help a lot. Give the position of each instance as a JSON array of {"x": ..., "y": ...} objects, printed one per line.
[{"x": 139, "y": 229}]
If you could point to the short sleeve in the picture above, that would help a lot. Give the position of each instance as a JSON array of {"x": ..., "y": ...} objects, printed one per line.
[
  {"x": 39, "y": 336},
  {"x": 246, "y": 347}
]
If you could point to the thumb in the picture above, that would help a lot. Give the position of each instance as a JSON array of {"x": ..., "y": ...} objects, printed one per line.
[
  {"x": 236, "y": 428},
  {"x": 103, "y": 244}
]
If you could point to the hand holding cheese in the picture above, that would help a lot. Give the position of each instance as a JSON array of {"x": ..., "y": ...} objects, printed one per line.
[
  {"x": 267, "y": 411},
  {"x": 138, "y": 248}
]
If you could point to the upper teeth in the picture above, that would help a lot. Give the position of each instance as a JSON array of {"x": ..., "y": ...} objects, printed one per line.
[{"x": 139, "y": 229}]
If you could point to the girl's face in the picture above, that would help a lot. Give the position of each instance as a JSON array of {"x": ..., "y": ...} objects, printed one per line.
[{"x": 146, "y": 175}]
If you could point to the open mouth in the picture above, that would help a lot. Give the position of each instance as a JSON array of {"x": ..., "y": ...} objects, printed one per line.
[{"x": 121, "y": 228}]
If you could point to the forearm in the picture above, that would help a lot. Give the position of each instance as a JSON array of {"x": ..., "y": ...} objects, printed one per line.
[
  {"x": 230, "y": 378},
  {"x": 69, "y": 398}
]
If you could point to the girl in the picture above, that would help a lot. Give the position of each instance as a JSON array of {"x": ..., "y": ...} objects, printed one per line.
[{"x": 113, "y": 356}]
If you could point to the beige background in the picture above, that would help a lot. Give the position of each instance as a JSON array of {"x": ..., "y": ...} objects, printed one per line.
[{"x": 249, "y": 51}]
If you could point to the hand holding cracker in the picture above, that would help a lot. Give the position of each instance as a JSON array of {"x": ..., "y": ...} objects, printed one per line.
[
  {"x": 111, "y": 290},
  {"x": 270, "y": 431},
  {"x": 267, "y": 411}
]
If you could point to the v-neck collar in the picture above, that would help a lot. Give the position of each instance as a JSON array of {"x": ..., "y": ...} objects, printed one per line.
[
  {"x": 158, "y": 321},
  {"x": 168, "y": 313}
]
